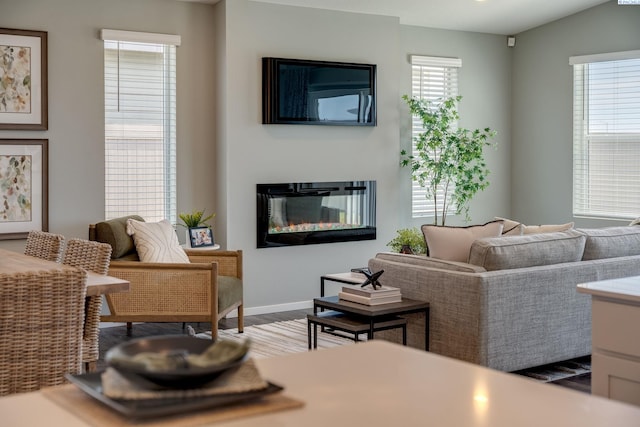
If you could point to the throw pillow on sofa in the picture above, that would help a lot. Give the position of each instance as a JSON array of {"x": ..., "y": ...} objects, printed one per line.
[
  {"x": 547, "y": 228},
  {"x": 511, "y": 228},
  {"x": 515, "y": 228},
  {"x": 156, "y": 242},
  {"x": 454, "y": 243}
]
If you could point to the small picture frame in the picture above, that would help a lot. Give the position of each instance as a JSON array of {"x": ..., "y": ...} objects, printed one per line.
[{"x": 201, "y": 236}]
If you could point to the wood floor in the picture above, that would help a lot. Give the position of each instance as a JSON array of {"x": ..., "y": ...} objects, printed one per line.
[{"x": 110, "y": 337}]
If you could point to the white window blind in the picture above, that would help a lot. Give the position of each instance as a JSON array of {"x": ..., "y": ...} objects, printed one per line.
[
  {"x": 606, "y": 135},
  {"x": 432, "y": 78},
  {"x": 140, "y": 124}
]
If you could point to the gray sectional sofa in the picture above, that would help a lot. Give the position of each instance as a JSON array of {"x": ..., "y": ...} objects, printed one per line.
[{"x": 514, "y": 305}]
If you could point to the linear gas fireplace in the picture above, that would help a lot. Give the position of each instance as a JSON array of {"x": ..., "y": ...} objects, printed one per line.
[{"x": 305, "y": 213}]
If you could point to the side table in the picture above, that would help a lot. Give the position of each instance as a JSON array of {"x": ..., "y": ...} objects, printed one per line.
[
  {"x": 347, "y": 278},
  {"x": 342, "y": 322},
  {"x": 372, "y": 315}
]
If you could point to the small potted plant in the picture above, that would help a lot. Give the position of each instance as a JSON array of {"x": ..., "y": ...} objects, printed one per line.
[
  {"x": 408, "y": 241},
  {"x": 195, "y": 219}
]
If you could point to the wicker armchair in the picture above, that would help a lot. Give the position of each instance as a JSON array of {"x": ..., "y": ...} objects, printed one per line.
[
  {"x": 205, "y": 290},
  {"x": 44, "y": 245},
  {"x": 95, "y": 257},
  {"x": 39, "y": 341}
]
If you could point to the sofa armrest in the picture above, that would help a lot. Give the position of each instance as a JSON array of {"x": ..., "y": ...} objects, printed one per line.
[{"x": 457, "y": 300}]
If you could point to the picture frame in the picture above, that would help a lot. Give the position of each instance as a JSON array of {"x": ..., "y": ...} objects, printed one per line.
[
  {"x": 24, "y": 187},
  {"x": 201, "y": 237},
  {"x": 24, "y": 100}
]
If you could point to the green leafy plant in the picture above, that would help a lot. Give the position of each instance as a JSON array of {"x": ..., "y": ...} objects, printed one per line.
[
  {"x": 195, "y": 219},
  {"x": 411, "y": 238},
  {"x": 449, "y": 162}
]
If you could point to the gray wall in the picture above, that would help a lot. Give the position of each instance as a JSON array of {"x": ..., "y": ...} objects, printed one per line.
[
  {"x": 541, "y": 189},
  {"x": 223, "y": 149},
  {"x": 256, "y": 153},
  {"x": 76, "y": 111},
  {"x": 485, "y": 86}
]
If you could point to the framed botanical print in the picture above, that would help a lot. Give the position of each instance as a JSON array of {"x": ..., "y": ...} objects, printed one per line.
[
  {"x": 23, "y": 187},
  {"x": 23, "y": 78}
]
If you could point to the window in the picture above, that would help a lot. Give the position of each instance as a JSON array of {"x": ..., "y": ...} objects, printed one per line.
[
  {"x": 432, "y": 78},
  {"x": 606, "y": 135},
  {"x": 140, "y": 124}
]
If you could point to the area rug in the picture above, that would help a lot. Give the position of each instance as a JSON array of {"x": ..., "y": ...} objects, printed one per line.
[
  {"x": 278, "y": 338},
  {"x": 558, "y": 371}
]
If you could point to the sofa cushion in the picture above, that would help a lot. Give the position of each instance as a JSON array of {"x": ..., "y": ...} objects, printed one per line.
[
  {"x": 453, "y": 243},
  {"x": 156, "y": 241},
  {"x": 503, "y": 253},
  {"x": 611, "y": 242},
  {"x": 114, "y": 232},
  {"x": 424, "y": 261},
  {"x": 229, "y": 291}
]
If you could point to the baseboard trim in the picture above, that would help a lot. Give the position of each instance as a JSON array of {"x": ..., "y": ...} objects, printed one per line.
[
  {"x": 277, "y": 308},
  {"x": 251, "y": 311}
]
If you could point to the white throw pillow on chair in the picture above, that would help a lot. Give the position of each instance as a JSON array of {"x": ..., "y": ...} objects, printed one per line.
[{"x": 156, "y": 242}]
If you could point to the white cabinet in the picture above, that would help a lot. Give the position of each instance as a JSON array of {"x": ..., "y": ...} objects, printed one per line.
[{"x": 615, "y": 357}]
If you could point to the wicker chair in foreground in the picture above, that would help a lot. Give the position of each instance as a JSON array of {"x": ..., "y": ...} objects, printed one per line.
[
  {"x": 44, "y": 245},
  {"x": 95, "y": 257},
  {"x": 39, "y": 342},
  {"x": 205, "y": 290}
]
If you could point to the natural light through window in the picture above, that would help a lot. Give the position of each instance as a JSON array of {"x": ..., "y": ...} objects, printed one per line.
[
  {"x": 140, "y": 125},
  {"x": 432, "y": 78},
  {"x": 606, "y": 135}
]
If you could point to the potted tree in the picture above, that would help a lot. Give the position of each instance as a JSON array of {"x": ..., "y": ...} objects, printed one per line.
[{"x": 449, "y": 162}]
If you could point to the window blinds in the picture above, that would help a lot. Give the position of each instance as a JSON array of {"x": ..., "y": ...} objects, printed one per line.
[
  {"x": 432, "y": 78},
  {"x": 140, "y": 124},
  {"x": 606, "y": 135}
]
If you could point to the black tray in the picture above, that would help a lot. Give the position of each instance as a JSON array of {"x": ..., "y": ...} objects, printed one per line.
[{"x": 91, "y": 384}]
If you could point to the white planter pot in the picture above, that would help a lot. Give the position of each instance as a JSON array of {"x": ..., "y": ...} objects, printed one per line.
[{"x": 187, "y": 242}]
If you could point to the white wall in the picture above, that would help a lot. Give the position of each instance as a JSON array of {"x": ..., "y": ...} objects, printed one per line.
[
  {"x": 542, "y": 107},
  {"x": 257, "y": 153}
]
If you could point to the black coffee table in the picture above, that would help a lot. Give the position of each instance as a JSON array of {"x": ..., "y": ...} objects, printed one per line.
[{"x": 375, "y": 314}]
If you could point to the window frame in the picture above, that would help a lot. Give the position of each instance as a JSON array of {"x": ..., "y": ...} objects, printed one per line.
[
  {"x": 432, "y": 78},
  {"x": 148, "y": 129},
  {"x": 606, "y": 164}
]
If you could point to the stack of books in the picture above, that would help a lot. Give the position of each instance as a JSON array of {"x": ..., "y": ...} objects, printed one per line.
[{"x": 370, "y": 296}]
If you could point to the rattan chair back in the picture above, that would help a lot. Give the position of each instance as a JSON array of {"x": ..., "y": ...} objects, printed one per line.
[
  {"x": 41, "y": 316},
  {"x": 44, "y": 245},
  {"x": 95, "y": 257}
]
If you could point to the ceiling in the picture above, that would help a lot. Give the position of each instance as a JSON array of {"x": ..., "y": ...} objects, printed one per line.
[{"x": 485, "y": 16}]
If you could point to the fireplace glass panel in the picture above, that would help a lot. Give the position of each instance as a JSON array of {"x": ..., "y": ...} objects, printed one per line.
[{"x": 310, "y": 213}]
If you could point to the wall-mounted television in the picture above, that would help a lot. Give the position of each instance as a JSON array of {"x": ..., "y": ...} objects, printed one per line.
[{"x": 296, "y": 91}]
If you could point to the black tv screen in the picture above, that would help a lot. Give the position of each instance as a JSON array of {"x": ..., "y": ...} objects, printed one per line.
[{"x": 296, "y": 91}]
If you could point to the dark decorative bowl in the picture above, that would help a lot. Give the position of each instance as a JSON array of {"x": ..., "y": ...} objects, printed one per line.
[{"x": 183, "y": 377}]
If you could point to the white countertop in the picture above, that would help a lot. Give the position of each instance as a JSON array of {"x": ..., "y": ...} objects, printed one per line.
[
  {"x": 378, "y": 383},
  {"x": 626, "y": 288}
]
